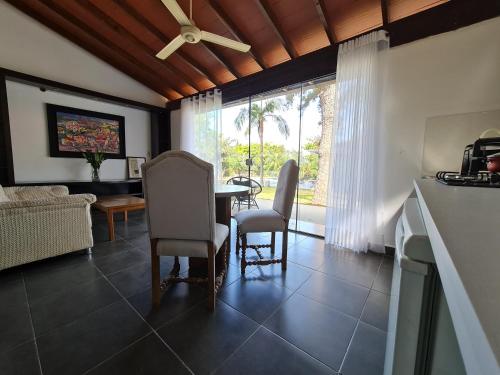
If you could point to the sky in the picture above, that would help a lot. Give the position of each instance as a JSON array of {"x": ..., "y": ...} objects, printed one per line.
[{"x": 310, "y": 126}]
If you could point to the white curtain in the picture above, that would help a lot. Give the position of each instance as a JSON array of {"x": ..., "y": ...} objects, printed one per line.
[
  {"x": 201, "y": 124},
  {"x": 354, "y": 207}
]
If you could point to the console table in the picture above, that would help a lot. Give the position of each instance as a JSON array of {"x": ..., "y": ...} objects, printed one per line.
[{"x": 101, "y": 188}]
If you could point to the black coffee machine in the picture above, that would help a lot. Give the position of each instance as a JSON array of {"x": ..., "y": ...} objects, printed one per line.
[
  {"x": 474, "y": 171},
  {"x": 474, "y": 160}
]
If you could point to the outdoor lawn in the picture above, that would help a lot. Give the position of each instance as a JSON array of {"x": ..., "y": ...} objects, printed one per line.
[{"x": 305, "y": 195}]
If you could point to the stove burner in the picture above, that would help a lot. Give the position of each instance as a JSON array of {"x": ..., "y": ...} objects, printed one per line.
[{"x": 482, "y": 179}]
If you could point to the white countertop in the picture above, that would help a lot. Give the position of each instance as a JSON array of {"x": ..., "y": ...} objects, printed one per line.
[{"x": 463, "y": 224}]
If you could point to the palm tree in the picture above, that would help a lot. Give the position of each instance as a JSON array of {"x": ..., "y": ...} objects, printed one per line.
[{"x": 259, "y": 114}]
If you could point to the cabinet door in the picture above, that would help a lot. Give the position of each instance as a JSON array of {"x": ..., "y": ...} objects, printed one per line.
[{"x": 444, "y": 356}]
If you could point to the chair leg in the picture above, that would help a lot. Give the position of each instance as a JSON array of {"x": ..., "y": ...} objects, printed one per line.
[
  {"x": 238, "y": 246},
  {"x": 243, "y": 253},
  {"x": 273, "y": 242},
  {"x": 211, "y": 276},
  {"x": 155, "y": 274},
  {"x": 284, "y": 248}
]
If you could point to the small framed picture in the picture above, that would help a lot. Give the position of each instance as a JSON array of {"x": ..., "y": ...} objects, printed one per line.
[{"x": 134, "y": 166}]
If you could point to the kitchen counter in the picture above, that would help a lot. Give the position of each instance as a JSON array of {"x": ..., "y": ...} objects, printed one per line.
[{"x": 463, "y": 224}]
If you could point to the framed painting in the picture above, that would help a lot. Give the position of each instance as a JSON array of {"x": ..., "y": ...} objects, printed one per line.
[
  {"x": 134, "y": 166},
  {"x": 73, "y": 131}
]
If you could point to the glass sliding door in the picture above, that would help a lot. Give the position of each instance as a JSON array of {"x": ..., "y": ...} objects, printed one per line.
[
  {"x": 259, "y": 134},
  {"x": 235, "y": 141},
  {"x": 274, "y": 138},
  {"x": 318, "y": 111}
]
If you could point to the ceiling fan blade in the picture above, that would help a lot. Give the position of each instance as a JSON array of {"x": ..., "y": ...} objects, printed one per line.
[
  {"x": 223, "y": 41},
  {"x": 177, "y": 12},
  {"x": 170, "y": 47}
]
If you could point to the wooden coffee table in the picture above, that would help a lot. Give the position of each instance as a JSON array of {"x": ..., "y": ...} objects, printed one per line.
[{"x": 118, "y": 203}]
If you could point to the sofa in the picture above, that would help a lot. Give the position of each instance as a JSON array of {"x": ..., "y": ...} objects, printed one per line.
[{"x": 39, "y": 222}]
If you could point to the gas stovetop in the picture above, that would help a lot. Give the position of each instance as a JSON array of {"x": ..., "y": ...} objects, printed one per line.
[{"x": 482, "y": 179}]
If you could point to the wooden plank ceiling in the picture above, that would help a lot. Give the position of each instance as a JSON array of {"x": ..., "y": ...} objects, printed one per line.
[{"x": 128, "y": 33}]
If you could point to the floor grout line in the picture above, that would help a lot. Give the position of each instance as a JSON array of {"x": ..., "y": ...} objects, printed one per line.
[
  {"x": 32, "y": 326},
  {"x": 354, "y": 333},
  {"x": 117, "y": 353},
  {"x": 262, "y": 325},
  {"x": 150, "y": 326},
  {"x": 293, "y": 291}
]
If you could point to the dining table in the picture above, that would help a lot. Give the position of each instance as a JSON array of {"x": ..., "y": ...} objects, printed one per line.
[{"x": 223, "y": 195}]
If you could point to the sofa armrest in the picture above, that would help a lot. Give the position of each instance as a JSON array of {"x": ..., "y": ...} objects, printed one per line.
[{"x": 49, "y": 204}]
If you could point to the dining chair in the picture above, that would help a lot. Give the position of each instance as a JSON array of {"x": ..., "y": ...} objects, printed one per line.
[
  {"x": 271, "y": 220},
  {"x": 180, "y": 211},
  {"x": 248, "y": 200}
]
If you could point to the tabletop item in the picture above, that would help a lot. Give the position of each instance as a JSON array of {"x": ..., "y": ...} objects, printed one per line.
[
  {"x": 493, "y": 163},
  {"x": 480, "y": 165},
  {"x": 118, "y": 203}
]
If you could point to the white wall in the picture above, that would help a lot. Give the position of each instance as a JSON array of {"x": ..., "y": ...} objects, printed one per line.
[
  {"x": 455, "y": 72},
  {"x": 30, "y": 142},
  {"x": 29, "y": 47}
]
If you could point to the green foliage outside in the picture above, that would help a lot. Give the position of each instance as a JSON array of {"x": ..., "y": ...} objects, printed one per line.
[
  {"x": 305, "y": 195},
  {"x": 234, "y": 156}
]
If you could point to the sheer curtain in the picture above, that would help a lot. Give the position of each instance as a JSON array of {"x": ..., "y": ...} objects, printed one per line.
[
  {"x": 201, "y": 124},
  {"x": 354, "y": 209}
]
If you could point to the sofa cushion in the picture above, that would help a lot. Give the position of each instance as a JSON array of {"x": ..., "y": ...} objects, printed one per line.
[
  {"x": 3, "y": 197},
  {"x": 33, "y": 193}
]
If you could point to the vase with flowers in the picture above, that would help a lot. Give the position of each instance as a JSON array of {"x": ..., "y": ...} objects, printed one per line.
[{"x": 95, "y": 160}]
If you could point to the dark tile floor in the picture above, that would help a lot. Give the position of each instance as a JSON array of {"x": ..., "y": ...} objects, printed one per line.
[{"x": 91, "y": 314}]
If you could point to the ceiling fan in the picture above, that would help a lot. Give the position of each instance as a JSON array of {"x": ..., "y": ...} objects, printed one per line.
[{"x": 191, "y": 34}]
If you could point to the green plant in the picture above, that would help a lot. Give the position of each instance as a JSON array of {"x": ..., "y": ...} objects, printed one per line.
[{"x": 95, "y": 159}]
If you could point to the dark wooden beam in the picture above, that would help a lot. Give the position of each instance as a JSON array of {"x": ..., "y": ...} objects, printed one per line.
[
  {"x": 319, "y": 63},
  {"x": 6, "y": 159},
  {"x": 385, "y": 17},
  {"x": 272, "y": 19},
  {"x": 101, "y": 15},
  {"x": 137, "y": 16},
  {"x": 95, "y": 47},
  {"x": 325, "y": 20},
  {"x": 221, "y": 60},
  {"x": 12, "y": 75},
  {"x": 236, "y": 31},
  {"x": 447, "y": 17}
]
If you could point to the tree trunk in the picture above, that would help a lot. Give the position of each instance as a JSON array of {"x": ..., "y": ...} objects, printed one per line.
[
  {"x": 327, "y": 108},
  {"x": 261, "y": 139}
]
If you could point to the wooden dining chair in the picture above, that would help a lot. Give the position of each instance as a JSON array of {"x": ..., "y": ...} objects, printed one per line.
[
  {"x": 180, "y": 212},
  {"x": 272, "y": 220}
]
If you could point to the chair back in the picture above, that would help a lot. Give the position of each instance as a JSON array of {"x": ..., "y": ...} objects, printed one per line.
[
  {"x": 180, "y": 199},
  {"x": 255, "y": 187},
  {"x": 285, "y": 190}
]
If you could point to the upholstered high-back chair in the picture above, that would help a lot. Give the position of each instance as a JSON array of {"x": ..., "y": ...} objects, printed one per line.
[
  {"x": 180, "y": 210},
  {"x": 274, "y": 220}
]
